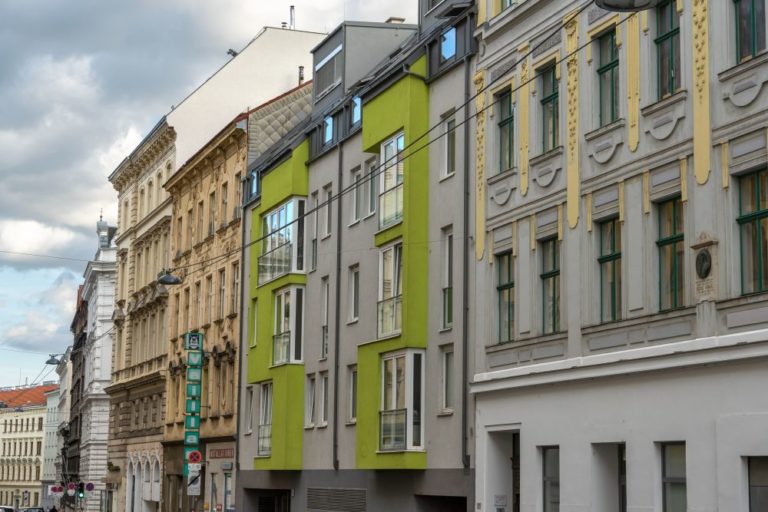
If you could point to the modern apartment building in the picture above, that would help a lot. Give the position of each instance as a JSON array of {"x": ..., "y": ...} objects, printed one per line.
[
  {"x": 206, "y": 239},
  {"x": 352, "y": 328},
  {"x": 620, "y": 192},
  {"x": 22, "y": 415}
]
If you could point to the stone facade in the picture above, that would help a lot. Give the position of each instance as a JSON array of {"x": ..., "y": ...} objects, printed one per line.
[
  {"x": 50, "y": 447},
  {"x": 614, "y": 259}
]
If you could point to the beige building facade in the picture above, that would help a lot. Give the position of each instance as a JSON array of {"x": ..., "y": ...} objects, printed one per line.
[{"x": 137, "y": 402}]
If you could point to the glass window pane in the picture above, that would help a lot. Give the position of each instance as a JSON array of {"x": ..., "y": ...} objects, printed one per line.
[
  {"x": 448, "y": 44},
  {"x": 674, "y": 497},
  {"x": 666, "y": 276},
  {"x": 606, "y": 291},
  {"x": 388, "y": 383},
  {"x": 400, "y": 382},
  {"x": 674, "y": 461},
  {"x": 749, "y": 257},
  {"x": 759, "y": 17},
  {"x": 679, "y": 273},
  {"x": 763, "y": 183},
  {"x": 764, "y": 252}
]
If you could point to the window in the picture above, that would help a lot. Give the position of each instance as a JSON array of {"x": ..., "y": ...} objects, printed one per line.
[
  {"x": 313, "y": 241},
  {"x": 447, "y": 380},
  {"x": 757, "y": 468},
  {"x": 551, "y": 478},
  {"x": 610, "y": 271},
  {"x": 222, "y": 292},
  {"x": 324, "y": 391},
  {"x": 265, "y": 420},
  {"x": 190, "y": 221},
  {"x": 328, "y": 72},
  {"x": 447, "y": 321},
  {"x": 668, "y": 48},
  {"x": 352, "y": 393},
  {"x": 371, "y": 168},
  {"x": 211, "y": 213},
  {"x": 235, "y": 289},
  {"x": 325, "y": 289},
  {"x": 448, "y": 44},
  {"x": 549, "y": 108},
  {"x": 750, "y": 28},
  {"x": 753, "y": 227},
  {"x": 309, "y": 402},
  {"x": 327, "y": 130},
  {"x": 224, "y": 203},
  {"x": 391, "y": 180},
  {"x": 506, "y": 4},
  {"x": 357, "y": 113},
  {"x": 327, "y": 210},
  {"x": 200, "y": 220},
  {"x": 249, "y": 410},
  {"x": 209, "y": 300},
  {"x": 179, "y": 233},
  {"x": 390, "y": 290},
  {"x": 506, "y": 132},
  {"x": 505, "y": 289},
  {"x": 671, "y": 254},
  {"x": 357, "y": 195},
  {"x": 255, "y": 332},
  {"x": 608, "y": 77},
  {"x": 354, "y": 292},
  {"x": 288, "y": 325},
  {"x": 673, "y": 477},
  {"x": 402, "y": 403},
  {"x": 450, "y": 146},
  {"x": 550, "y": 280},
  {"x": 283, "y": 243},
  {"x": 432, "y": 3}
]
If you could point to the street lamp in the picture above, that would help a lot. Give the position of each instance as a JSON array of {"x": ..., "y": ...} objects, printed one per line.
[
  {"x": 627, "y": 5},
  {"x": 53, "y": 360},
  {"x": 166, "y": 278}
]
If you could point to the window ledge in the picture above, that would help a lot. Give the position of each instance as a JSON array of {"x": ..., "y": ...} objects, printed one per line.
[
  {"x": 446, "y": 329},
  {"x": 501, "y": 175},
  {"x": 377, "y": 340},
  {"x": 351, "y": 423},
  {"x": 262, "y": 456},
  {"x": 388, "y": 227},
  {"x": 446, "y": 177},
  {"x": 354, "y": 223},
  {"x": 605, "y": 129},
  {"x": 248, "y": 433},
  {"x": 445, "y": 413},
  {"x": 353, "y": 321},
  {"x": 325, "y": 236},
  {"x": 406, "y": 450},
  {"x": 311, "y": 426},
  {"x": 653, "y": 108},
  {"x": 541, "y": 157},
  {"x": 323, "y": 425},
  {"x": 369, "y": 215},
  {"x": 527, "y": 341},
  {"x": 320, "y": 360},
  {"x": 742, "y": 67}
]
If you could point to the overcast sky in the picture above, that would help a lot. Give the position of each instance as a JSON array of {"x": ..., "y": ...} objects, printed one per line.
[{"x": 81, "y": 82}]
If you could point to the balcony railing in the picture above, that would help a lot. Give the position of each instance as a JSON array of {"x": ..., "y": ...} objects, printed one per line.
[
  {"x": 390, "y": 316},
  {"x": 392, "y": 432},
  {"x": 391, "y": 206},
  {"x": 447, "y": 307},
  {"x": 324, "y": 343},
  {"x": 281, "y": 347},
  {"x": 274, "y": 263},
  {"x": 265, "y": 440}
]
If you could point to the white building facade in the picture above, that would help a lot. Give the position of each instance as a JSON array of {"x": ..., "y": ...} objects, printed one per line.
[
  {"x": 621, "y": 213},
  {"x": 50, "y": 447}
]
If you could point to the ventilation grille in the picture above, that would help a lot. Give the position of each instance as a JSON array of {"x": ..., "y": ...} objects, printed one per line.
[{"x": 335, "y": 500}]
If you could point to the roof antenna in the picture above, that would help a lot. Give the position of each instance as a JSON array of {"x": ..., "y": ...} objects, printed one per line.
[{"x": 292, "y": 26}]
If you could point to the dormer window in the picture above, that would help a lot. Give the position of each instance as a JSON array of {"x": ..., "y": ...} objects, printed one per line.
[
  {"x": 327, "y": 130},
  {"x": 356, "y": 111},
  {"x": 328, "y": 72}
]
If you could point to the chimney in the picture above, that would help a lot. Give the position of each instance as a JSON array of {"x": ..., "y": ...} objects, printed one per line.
[
  {"x": 395, "y": 20},
  {"x": 292, "y": 24},
  {"x": 301, "y": 75},
  {"x": 283, "y": 24}
]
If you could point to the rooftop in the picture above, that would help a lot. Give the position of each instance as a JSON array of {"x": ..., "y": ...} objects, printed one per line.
[{"x": 25, "y": 396}]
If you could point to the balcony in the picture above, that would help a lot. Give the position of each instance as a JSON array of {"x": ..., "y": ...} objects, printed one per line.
[
  {"x": 447, "y": 307},
  {"x": 391, "y": 206},
  {"x": 324, "y": 343},
  {"x": 275, "y": 263},
  {"x": 392, "y": 432},
  {"x": 265, "y": 440},
  {"x": 390, "y": 316},
  {"x": 281, "y": 347}
]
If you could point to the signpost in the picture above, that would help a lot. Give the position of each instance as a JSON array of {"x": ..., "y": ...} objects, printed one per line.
[{"x": 193, "y": 342}]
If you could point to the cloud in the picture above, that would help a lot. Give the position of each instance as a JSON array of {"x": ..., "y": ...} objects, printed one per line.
[{"x": 44, "y": 326}]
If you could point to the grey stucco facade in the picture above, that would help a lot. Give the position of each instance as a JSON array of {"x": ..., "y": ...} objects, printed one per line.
[{"x": 667, "y": 350}]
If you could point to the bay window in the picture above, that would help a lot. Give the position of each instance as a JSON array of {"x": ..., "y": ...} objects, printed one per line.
[
  {"x": 288, "y": 326},
  {"x": 391, "y": 181},
  {"x": 282, "y": 249},
  {"x": 390, "y": 290},
  {"x": 402, "y": 401}
]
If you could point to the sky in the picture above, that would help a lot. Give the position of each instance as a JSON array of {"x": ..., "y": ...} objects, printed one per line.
[{"x": 81, "y": 83}]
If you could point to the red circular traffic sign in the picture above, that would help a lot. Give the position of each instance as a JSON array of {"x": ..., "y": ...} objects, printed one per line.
[
  {"x": 195, "y": 457},
  {"x": 71, "y": 485}
]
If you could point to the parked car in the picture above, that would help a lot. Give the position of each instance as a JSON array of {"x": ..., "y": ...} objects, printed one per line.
[
  {"x": 7, "y": 508},
  {"x": 33, "y": 509}
]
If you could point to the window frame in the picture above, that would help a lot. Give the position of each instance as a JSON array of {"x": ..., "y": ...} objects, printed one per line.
[
  {"x": 352, "y": 392},
  {"x": 755, "y": 24},
  {"x": 548, "y": 482},
  {"x": 445, "y": 45},
  {"x": 550, "y": 97},
  {"x": 327, "y": 131},
  {"x": 354, "y": 293},
  {"x": 547, "y": 275},
  {"x": 356, "y": 112},
  {"x": 753, "y": 218},
  {"x": 612, "y": 67},
  {"x": 265, "y": 414},
  {"x": 447, "y": 363},
  {"x": 396, "y": 287},
  {"x": 506, "y": 125},
  {"x": 449, "y": 130},
  {"x": 324, "y": 399},
  {"x": 409, "y": 399},
  {"x": 668, "y": 479},
  {"x": 447, "y": 301},
  {"x": 357, "y": 196},
  {"x": 502, "y": 287},
  {"x": 309, "y": 401},
  {"x": 674, "y": 69},
  {"x": 395, "y": 163},
  {"x": 677, "y": 297},
  {"x": 610, "y": 258},
  {"x": 294, "y": 319}
]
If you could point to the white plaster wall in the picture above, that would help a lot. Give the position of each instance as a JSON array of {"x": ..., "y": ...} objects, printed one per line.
[
  {"x": 720, "y": 411},
  {"x": 267, "y": 67}
]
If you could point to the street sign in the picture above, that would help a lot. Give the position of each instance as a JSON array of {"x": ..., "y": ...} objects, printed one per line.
[
  {"x": 89, "y": 487},
  {"x": 194, "y": 457},
  {"x": 193, "y": 484},
  {"x": 193, "y": 341},
  {"x": 193, "y": 390},
  {"x": 195, "y": 358},
  {"x": 192, "y": 438},
  {"x": 194, "y": 374},
  {"x": 194, "y": 468},
  {"x": 70, "y": 492},
  {"x": 192, "y": 422},
  {"x": 193, "y": 406}
]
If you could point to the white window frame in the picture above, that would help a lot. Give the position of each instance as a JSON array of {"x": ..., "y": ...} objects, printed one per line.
[
  {"x": 327, "y": 211},
  {"x": 255, "y": 325},
  {"x": 265, "y": 411},
  {"x": 354, "y": 293},
  {"x": 409, "y": 355},
  {"x": 296, "y": 296},
  {"x": 358, "y": 194},
  {"x": 309, "y": 401},
  {"x": 446, "y": 384},
  {"x": 447, "y": 120},
  {"x": 248, "y": 410},
  {"x": 352, "y": 393},
  {"x": 281, "y": 218},
  {"x": 390, "y": 163},
  {"x": 372, "y": 167},
  {"x": 315, "y": 208},
  {"x": 447, "y": 278},
  {"x": 324, "y": 399}
]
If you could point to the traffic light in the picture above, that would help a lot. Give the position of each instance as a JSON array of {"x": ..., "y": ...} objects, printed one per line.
[{"x": 81, "y": 490}]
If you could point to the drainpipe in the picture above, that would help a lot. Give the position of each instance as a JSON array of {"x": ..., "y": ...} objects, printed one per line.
[
  {"x": 465, "y": 274},
  {"x": 243, "y": 296},
  {"x": 337, "y": 317}
]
